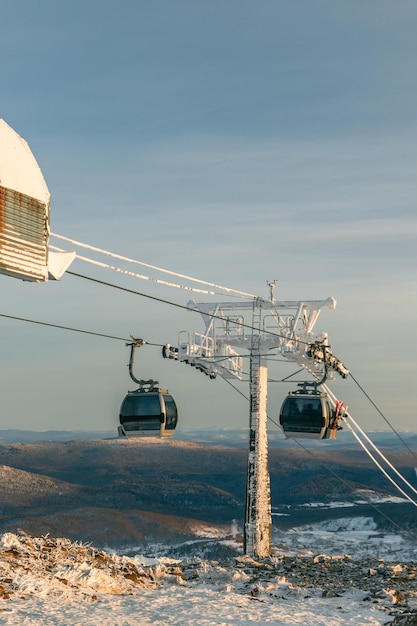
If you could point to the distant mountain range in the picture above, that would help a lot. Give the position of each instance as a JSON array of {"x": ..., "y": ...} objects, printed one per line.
[{"x": 215, "y": 436}]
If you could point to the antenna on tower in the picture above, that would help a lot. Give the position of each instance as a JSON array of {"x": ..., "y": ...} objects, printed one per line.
[{"x": 271, "y": 285}]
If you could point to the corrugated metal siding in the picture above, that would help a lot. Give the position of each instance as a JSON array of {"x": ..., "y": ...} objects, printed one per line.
[{"x": 23, "y": 236}]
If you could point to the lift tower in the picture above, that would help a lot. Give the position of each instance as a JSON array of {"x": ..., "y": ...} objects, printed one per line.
[{"x": 256, "y": 326}]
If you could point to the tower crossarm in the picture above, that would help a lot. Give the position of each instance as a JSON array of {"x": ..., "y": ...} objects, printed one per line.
[
  {"x": 285, "y": 326},
  {"x": 286, "y": 319}
]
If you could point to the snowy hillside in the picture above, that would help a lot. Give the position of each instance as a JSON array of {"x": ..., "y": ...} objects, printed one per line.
[
  {"x": 54, "y": 581},
  {"x": 120, "y": 493}
]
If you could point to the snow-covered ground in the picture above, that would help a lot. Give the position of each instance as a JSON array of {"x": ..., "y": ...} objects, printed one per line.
[
  {"x": 201, "y": 606},
  {"x": 46, "y": 581}
]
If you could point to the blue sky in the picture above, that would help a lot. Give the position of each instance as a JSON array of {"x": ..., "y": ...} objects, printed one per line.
[{"x": 235, "y": 141}]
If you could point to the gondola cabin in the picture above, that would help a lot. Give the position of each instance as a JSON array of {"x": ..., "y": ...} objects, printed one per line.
[
  {"x": 148, "y": 413},
  {"x": 308, "y": 415}
]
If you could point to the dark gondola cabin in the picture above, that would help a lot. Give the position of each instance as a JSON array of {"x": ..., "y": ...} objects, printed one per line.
[
  {"x": 307, "y": 415},
  {"x": 148, "y": 413}
]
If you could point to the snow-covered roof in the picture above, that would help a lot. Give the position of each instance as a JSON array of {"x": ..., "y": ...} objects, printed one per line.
[
  {"x": 19, "y": 169},
  {"x": 24, "y": 210}
]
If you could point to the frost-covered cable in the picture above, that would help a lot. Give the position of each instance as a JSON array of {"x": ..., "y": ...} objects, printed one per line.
[
  {"x": 348, "y": 484},
  {"x": 141, "y": 276},
  {"x": 154, "y": 267},
  {"x": 383, "y": 416},
  {"x": 371, "y": 456},
  {"x": 371, "y": 443}
]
